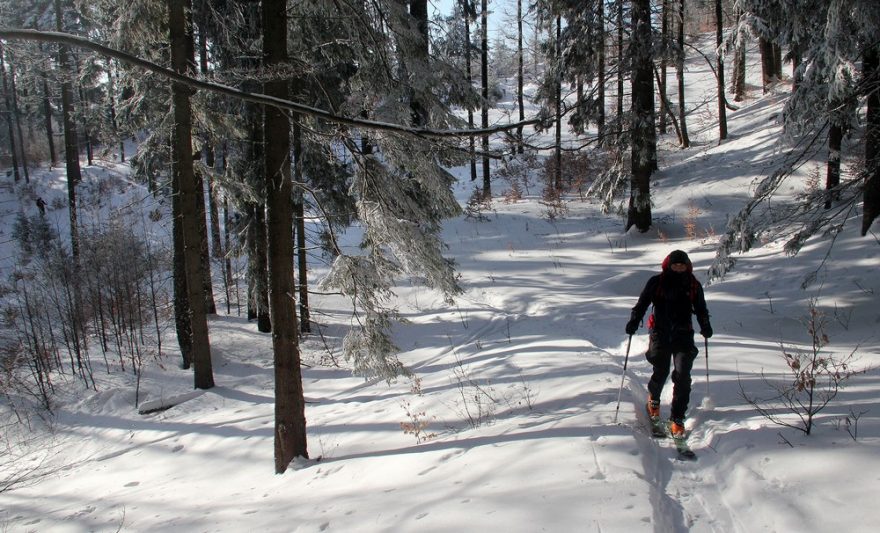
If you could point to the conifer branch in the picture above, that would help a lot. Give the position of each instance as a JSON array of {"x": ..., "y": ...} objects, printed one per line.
[{"x": 73, "y": 40}]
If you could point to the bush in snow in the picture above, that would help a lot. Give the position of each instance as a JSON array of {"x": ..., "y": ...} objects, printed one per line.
[
  {"x": 812, "y": 379},
  {"x": 58, "y": 307}
]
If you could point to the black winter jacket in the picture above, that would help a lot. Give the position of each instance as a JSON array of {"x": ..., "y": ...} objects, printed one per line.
[{"x": 675, "y": 298}]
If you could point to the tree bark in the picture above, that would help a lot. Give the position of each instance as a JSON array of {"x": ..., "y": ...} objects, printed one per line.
[
  {"x": 17, "y": 114},
  {"x": 777, "y": 61},
  {"x": 182, "y": 312},
  {"x": 204, "y": 252},
  {"x": 74, "y": 177},
  {"x": 600, "y": 119},
  {"x": 620, "y": 67},
  {"x": 643, "y": 155},
  {"x": 86, "y": 130},
  {"x": 182, "y": 168},
  {"x": 300, "y": 221},
  {"x": 739, "y": 66},
  {"x": 520, "y": 76},
  {"x": 258, "y": 268},
  {"x": 719, "y": 38},
  {"x": 217, "y": 250},
  {"x": 484, "y": 76},
  {"x": 557, "y": 171},
  {"x": 871, "y": 73},
  {"x": 832, "y": 177},
  {"x": 679, "y": 73},
  {"x": 664, "y": 32},
  {"x": 466, "y": 7},
  {"x": 227, "y": 262},
  {"x": 290, "y": 421},
  {"x": 418, "y": 10},
  {"x": 768, "y": 68},
  {"x": 208, "y": 150},
  {"x": 71, "y": 146},
  {"x": 7, "y": 102},
  {"x": 111, "y": 104},
  {"x": 47, "y": 115},
  {"x": 796, "y": 75}
]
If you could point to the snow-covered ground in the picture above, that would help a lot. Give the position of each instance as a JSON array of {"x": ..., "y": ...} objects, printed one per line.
[{"x": 512, "y": 423}]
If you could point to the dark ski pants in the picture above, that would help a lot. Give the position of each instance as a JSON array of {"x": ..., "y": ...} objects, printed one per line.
[{"x": 682, "y": 362}]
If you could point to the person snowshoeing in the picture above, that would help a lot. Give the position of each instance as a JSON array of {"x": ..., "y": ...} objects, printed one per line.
[{"x": 676, "y": 295}]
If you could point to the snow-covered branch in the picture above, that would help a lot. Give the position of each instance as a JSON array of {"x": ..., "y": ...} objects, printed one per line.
[{"x": 73, "y": 40}]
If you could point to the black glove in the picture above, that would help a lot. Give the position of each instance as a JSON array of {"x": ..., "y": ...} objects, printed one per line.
[
  {"x": 632, "y": 326},
  {"x": 706, "y": 331}
]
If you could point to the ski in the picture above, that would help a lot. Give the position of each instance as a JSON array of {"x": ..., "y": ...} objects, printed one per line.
[
  {"x": 658, "y": 428},
  {"x": 684, "y": 450}
]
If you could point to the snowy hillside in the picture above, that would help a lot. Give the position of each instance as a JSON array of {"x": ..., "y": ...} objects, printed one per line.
[{"x": 510, "y": 422}]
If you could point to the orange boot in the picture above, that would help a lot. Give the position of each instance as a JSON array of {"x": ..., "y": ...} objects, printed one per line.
[{"x": 653, "y": 407}]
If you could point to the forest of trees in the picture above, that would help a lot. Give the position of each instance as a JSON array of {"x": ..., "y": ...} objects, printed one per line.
[{"x": 252, "y": 116}]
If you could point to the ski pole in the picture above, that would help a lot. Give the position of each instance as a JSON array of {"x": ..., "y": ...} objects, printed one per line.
[
  {"x": 622, "y": 377},
  {"x": 706, "y": 347}
]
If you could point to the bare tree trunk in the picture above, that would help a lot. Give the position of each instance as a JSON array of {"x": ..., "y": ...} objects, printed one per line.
[
  {"x": 7, "y": 101},
  {"x": 258, "y": 289},
  {"x": 207, "y": 153},
  {"x": 871, "y": 73},
  {"x": 620, "y": 66},
  {"x": 204, "y": 252},
  {"x": 739, "y": 66},
  {"x": 768, "y": 69},
  {"x": 467, "y": 8},
  {"x": 87, "y": 133},
  {"x": 484, "y": 76},
  {"x": 71, "y": 146},
  {"x": 217, "y": 250},
  {"x": 418, "y": 10},
  {"x": 182, "y": 168},
  {"x": 300, "y": 221},
  {"x": 644, "y": 140},
  {"x": 777, "y": 61},
  {"x": 47, "y": 114},
  {"x": 679, "y": 72},
  {"x": 557, "y": 172},
  {"x": 227, "y": 256},
  {"x": 208, "y": 150},
  {"x": 719, "y": 38},
  {"x": 520, "y": 77},
  {"x": 111, "y": 104},
  {"x": 832, "y": 177},
  {"x": 290, "y": 420},
  {"x": 600, "y": 119},
  {"x": 182, "y": 312},
  {"x": 664, "y": 32},
  {"x": 74, "y": 177},
  {"x": 17, "y": 115},
  {"x": 796, "y": 75}
]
